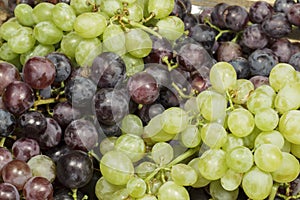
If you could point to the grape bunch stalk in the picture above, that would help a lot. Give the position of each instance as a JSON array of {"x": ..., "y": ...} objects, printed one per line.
[{"x": 143, "y": 100}]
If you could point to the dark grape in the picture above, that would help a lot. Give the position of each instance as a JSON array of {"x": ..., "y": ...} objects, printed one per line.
[
  {"x": 217, "y": 15},
  {"x": 295, "y": 61},
  {"x": 39, "y": 72},
  {"x": 283, "y": 5},
  {"x": 203, "y": 34},
  {"x": 89, "y": 188},
  {"x": 56, "y": 152},
  {"x": 111, "y": 130},
  {"x": 242, "y": 67},
  {"x": 147, "y": 112},
  {"x": 168, "y": 98},
  {"x": 189, "y": 21},
  {"x": 8, "y": 74},
  {"x": 51, "y": 136},
  {"x": 38, "y": 188},
  {"x": 293, "y": 14},
  {"x": 160, "y": 73},
  {"x": 107, "y": 69},
  {"x": 205, "y": 14},
  {"x": 235, "y": 17},
  {"x": 110, "y": 105},
  {"x": 161, "y": 48},
  {"x": 228, "y": 51},
  {"x": 62, "y": 65},
  {"x": 81, "y": 134},
  {"x": 259, "y": 80},
  {"x": 8, "y": 192},
  {"x": 199, "y": 83},
  {"x": 74, "y": 169},
  {"x": 45, "y": 93},
  {"x": 277, "y": 26},
  {"x": 18, "y": 97},
  {"x": 5, "y": 157},
  {"x": 25, "y": 148},
  {"x": 260, "y": 11},
  {"x": 8, "y": 123},
  {"x": 66, "y": 194},
  {"x": 79, "y": 91},
  {"x": 283, "y": 49},
  {"x": 253, "y": 37}
]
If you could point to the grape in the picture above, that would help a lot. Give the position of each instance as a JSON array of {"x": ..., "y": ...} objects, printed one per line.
[
  {"x": 107, "y": 144},
  {"x": 162, "y": 153},
  {"x": 62, "y": 65},
  {"x": 104, "y": 189},
  {"x": 22, "y": 40},
  {"x": 287, "y": 98},
  {"x": 42, "y": 166},
  {"x": 266, "y": 119},
  {"x": 239, "y": 159},
  {"x": 6, "y": 52},
  {"x": 280, "y": 75},
  {"x": 268, "y": 157},
  {"x": 183, "y": 174},
  {"x": 288, "y": 170},
  {"x": 270, "y": 137},
  {"x": 18, "y": 97},
  {"x": 89, "y": 25},
  {"x": 228, "y": 51},
  {"x": 23, "y": 13},
  {"x": 217, "y": 15},
  {"x": 259, "y": 100},
  {"x": 56, "y": 152},
  {"x": 138, "y": 43},
  {"x": 81, "y": 6},
  {"x": 288, "y": 127},
  {"x": 63, "y": 16},
  {"x": 39, "y": 72},
  {"x": 38, "y": 187},
  {"x": 144, "y": 169},
  {"x": 231, "y": 180},
  {"x": 190, "y": 137},
  {"x": 232, "y": 142},
  {"x": 235, "y": 17},
  {"x": 42, "y": 12},
  {"x": 160, "y": 9},
  {"x": 114, "y": 39},
  {"x": 295, "y": 150},
  {"x": 111, "y": 130},
  {"x": 5, "y": 157},
  {"x": 277, "y": 26},
  {"x": 16, "y": 172},
  {"x": 132, "y": 124},
  {"x": 9, "y": 192},
  {"x": 203, "y": 34},
  {"x": 135, "y": 12},
  {"x": 201, "y": 181},
  {"x": 283, "y": 5},
  {"x": 69, "y": 42},
  {"x": 81, "y": 134},
  {"x": 240, "y": 122},
  {"x": 219, "y": 193},
  {"x": 65, "y": 194},
  {"x": 111, "y": 7},
  {"x": 133, "y": 64},
  {"x": 259, "y": 80},
  {"x": 260, "y": 11},
  {"x": 283, "y": 49},
  {"x": 8, "y": 123},
  {"x": 257, "y": 184},
  {"x": 242, "y": 90},
  {"x": 143, "y": 88},
  {"x": 51, "y": 136},
  {"x": 171, "y": 191},
  {"x": 170, "y": 27},
  {"x": 294, "y": 61},
  {"x": 161, "y": 47},
  {"x": 174, "y": 120},
  {"x": 116, "y": 167},
  {"x": 25, "y": 148},
  {"x": 46, "y": 32},
  {"x": 189, "y": 20},
  {"x": 213, "y": 135},
  {"x": 74, "y": 169},
  {"x": 136, "y": 187},
  {"x": 212, "y": 164},
  {"x": 253, "y": 37},
  {"x": 38, "y": 50},
  {"x": 8, "y": 29}
]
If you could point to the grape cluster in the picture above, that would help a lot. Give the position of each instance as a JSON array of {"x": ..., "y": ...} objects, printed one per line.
[{"x": 143, "y": 100}]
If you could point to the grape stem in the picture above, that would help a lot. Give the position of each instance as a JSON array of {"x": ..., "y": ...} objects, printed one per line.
[
  {"x": 165, "y": 59},
  {"x": 180, "y": 92},
  {"x": 74, "y": 195},
  {"x": 148, "y": 18},
  {"x": 92, "y": 153},
  {"x": 273, "y": 192},
  {"x": 47, "y": 101},
  {"x": 231, "y": 106},
  {"x": 183, "y": 156},
  {"x": 2, "y": 141}
]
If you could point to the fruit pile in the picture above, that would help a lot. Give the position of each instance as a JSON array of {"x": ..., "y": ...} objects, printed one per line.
[{"x": 143, "y": 100}]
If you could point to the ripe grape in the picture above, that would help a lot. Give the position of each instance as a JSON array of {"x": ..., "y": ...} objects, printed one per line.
[
  {"x": 38, "y": 187},
  {"x": 138, "y": 43},
  {"x": 259, "y": 11},
  {"x": 160, "y": 9},
  {"x": 8, "y": 73},
  {"x": 25, "y": 148},
  {"x": 9, "y": 191},
  {"x": 171, "y": 191},
  {"x": 46, "y": 32},
  {"x": 62, "y": 65},
  {"x": 5, "y": 157},
  {"x": 235, "y": 17}
]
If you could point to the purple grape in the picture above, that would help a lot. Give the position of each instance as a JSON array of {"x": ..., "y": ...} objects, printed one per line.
[
  {"x": 277, "y": 26},
  {"x": 18, "y": 97},
  {"x": 5, "y": 157},
  {"x": 25, "y": 148},
  {"x": 203, "y": 34},
  {"x": 283, "y": 49},
  {"x": 56, "y": 152},
  {"x": 293, "y": 14},
  {"x": 111, "y": 130},
  {"x": 38, "y": 188},
  {"x": 9, "y": 192},
  {"x": 62, "y": 65},
  {"x": 189, "y": 21},
  {"x": 283, "y": 5},
  {"x": 205, "y": 14},
  {"x": 8, "y": 74},
  {"x": 168, "y": 98},
  {"x": 217, "y": 15},
  {"x": 260, "y": 11},
  {"x": 160, "y": 73},
  {"x": 259, "y": 80},
  {"x": 228, "y": 51},
  {"x": 147, "y": 112},
  {"x": 199, "y": 83},
  {"x": 295, "y": 61},
  {"x": 66, "y": 194},
  {"x": 253, "y": 37},
  {"x": 242, "y": 67},
  {"x": 143, "y": 88},
  {"x": 235, "y": 17},
  {"x": 51, "y": 136},
  {"x": 161, "y": 48},
  {"x": 8, "y": 123}
]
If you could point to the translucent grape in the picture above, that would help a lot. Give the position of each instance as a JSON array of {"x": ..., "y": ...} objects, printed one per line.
[
  {"x": 22, "y": 40},
  {"x": 8, "y": 29},
  {"x": 103, "y": 189},
  {"x": 266, "y": 119},
  {"x": 213, "y": 135},
  {"x": 6, "y": 53},
  {"x": 170, "y": 27},
  {"x": 183, "y": 174},
  {"x": 159, "y": 8},
  {"x": 240, "y": 93},
  {"x": 111, "y": 7},
  {"x": 69, "y": 43},
  {"x": 259, "y": 100},
  {"x": 240, "y": 122},
  {"x": 201, "y": 181},
  {"x": 190, "y": 137},
  {"x": 162, "y": 153},
  {"x": 219, "y": 193},
  {"x": 270, "y": 137},
  {"x": 133, "y": 64},
  {"x": 46, "y": 32},
  {"x": 42, "y": 12},
  {"x": 114, "y": 39},
  {"x": 135, "y": 12},
  {"x": 42, "y": 165},
  {"x": 232, "y": 142},
  {"x": 81, "y": 6},
  {"x": 107, "y": 144},
  {"x": 174, "y": 120},
  {"x": 38, "y": 187},
  {"x": 239, "y": 159},
  {"x": 281, "y": 74},
  {"x": 63, "y": 16},
  {"x": 87, "y": 50},
  {"x": 171, "y": 191},
  {"x": 23, "y": 13},
  {"x": 138, "y": 43},
  {"x": 231, "y": 180},
  {"x": 144, "y": 169},
  {"x": 136, "y": 187},
  {"x": 132, "y": 124},
  {"x": 289, "y": 127}
]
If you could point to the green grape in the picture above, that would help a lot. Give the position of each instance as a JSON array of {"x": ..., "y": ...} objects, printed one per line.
[
  {"x": 212, "y": 105},
  {"x": 232, "y": 142},
  {"x": 171, "y": 191},
  {"x": 44, "y": 166},
  {"x": 257, "y": 184},
  {"x": 289, "y": 126},
  {"x": 190, "y": 105},
  {"x": 183, "y": 174},
  {"x": 23, "y": 13},
  {"x": 133, "y": 64},
  {"x": 222, "y": 76},
  {"x": 286, "y": 147},
  {"x": 144, "y": 169},
  {"x": 231, "y": 180},
  {"x": 136, "y": 187},
  {"x": 103, "y": 189},
  {"x": 249, "y": 140},
  {"x": 116, "y": 167},
  {"x": 47, "y": 33},
  {"x": 22, "y": 41},
  {"x": 162, "y": 153},
  {"x": 38, "y": 50},
  {"x": 241, "y": 91},
  {"x": 219, "y": 193},
  {"x": 107, "y": 144},
  {"x": 174, "y": 120},
  {"x": 288, "y": 98},
  {"x": 267, "y": 157},
  {"x": 6, "y": 52},
  {"x": 212, "y": 164},
  {"x": 270, "y": 137},
  {"x": 81, "y": 6},
  {"x": 63, "y": 16},
  {"x": 259, "y": 100},
  {"x": 288, "y": 170},
  {"x": 240, "y": 122},
  {"x": 111, "y": 7},
  {"x": 295, "y": 150},
  {"x": 190, "y": 137},
  {"x": 8, "y": 29},
  {"x": 267, "y": 90},
  {"x": 90, "y": 25},
  {"x": 281, "y": 74},
  {"x": 147, "y": 197},
  {"x": 114, "y": 39},
  {"x": 42, "y": 12},
  {"x": 153, "y": 131},
  {"x": 132, "y": 145},
  {"x": 87, "y": 50},
  {"x": 201, "y": 181},
  {"x": 129, "y": 1},
  {"x": 132, "y": 124},
  {"x": 213, "y": 135},
  {"x": 266, "y": 119},
  {"x": 135, "y": 12},
  {"x": 121, "y": 194},
  {"x": 160, "y": 9},
  {"x": 69, "y": 43},
  {"x": 170, "y": 27},
  {"x": 155, "y": 184},
  {"x": 240, "y": 159},
  {"x": 138, "y": 43}
]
